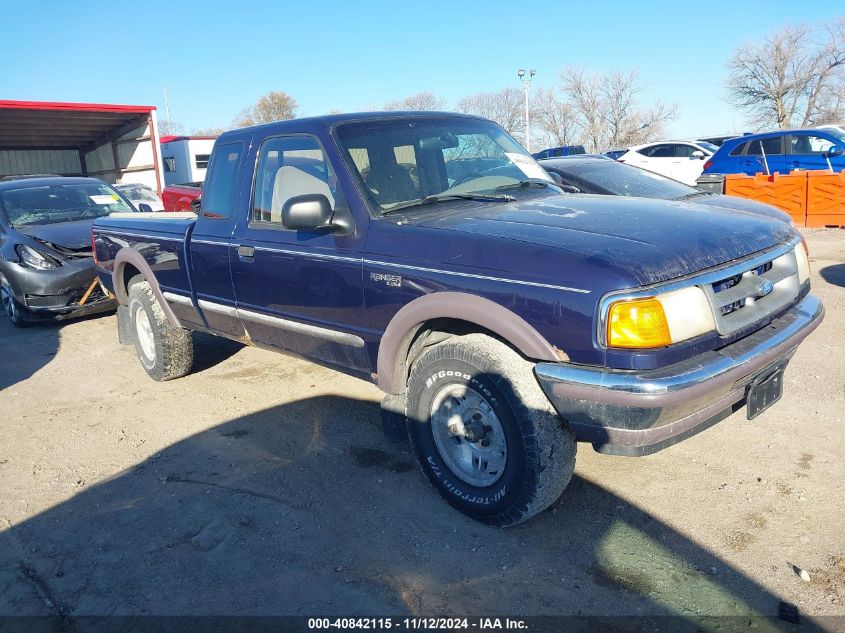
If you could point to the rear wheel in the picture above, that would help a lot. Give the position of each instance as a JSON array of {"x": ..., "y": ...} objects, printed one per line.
[
  {"x": 165, "y": 351},
  {"x": 484, "y": 431},
  {"x": 18, "y": 315}
]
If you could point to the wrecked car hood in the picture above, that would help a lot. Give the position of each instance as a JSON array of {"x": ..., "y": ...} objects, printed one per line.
[{"x": 70, "y": 235}]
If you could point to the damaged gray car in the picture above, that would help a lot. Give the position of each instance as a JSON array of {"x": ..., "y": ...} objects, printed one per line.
[{"x": 46, "y": 261}]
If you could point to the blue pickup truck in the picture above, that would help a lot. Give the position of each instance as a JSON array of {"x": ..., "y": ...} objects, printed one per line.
[{"x": 504, "y": 319}]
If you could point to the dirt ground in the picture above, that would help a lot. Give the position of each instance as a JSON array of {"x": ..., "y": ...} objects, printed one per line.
[{"x": 261, "y": 484}]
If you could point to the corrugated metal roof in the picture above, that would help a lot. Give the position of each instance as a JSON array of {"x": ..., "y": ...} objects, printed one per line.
[{"x": 43, "y": 125}]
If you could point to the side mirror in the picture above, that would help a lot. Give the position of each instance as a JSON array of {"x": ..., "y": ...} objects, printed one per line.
[
  {"x": 195, "y": 205},
  {"x": 145, "y": 208},
  {"x": 307, "y": 213},
  {"x": 836, "y": 150},
  {"x": 555, "y": 176},
  {"x": 697, "y": 154}
]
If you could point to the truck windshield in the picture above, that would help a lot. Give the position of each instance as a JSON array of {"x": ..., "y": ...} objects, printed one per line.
[
  {"x": 54, "y": 203},
  {"x": 410, "y": 160}
]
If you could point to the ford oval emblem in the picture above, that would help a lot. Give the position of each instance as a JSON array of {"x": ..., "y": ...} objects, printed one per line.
[{"x": 766, "y": 287}]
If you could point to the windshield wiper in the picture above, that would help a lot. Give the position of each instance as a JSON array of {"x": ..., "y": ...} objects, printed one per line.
[
  {"x": 440, "y": 197},
  {"x": 524, "y": 184},
  {"x": 694, "y": 194}
]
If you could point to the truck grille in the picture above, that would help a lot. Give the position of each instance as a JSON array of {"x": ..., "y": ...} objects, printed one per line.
[{"x": 746, "y": 296}]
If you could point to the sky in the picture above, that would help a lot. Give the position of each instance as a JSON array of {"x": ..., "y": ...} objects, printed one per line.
[{"x": 217, "y": 57}]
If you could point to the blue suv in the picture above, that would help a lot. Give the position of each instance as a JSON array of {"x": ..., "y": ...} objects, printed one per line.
[
  {"x": 563, "y": 150},
  {"x": 782, "y": 151}
]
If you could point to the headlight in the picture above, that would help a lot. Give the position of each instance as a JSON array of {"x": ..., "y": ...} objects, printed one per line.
[
  {"x": 660, "y": 320},
  {"x": 803, "y": 263},
  {"x": 34, "y": 259}
]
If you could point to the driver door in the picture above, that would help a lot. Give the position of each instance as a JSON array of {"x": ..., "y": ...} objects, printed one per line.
[{"x": 298, "y": 290}]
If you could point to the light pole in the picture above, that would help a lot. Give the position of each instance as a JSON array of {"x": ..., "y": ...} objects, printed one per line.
[{"x": 526, "y": 82}]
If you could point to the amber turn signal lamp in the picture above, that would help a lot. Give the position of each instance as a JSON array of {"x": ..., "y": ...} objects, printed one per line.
[{"x": 637, "y": 323}]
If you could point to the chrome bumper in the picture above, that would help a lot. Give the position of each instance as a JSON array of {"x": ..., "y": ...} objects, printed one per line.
[{"x": 637, "y": 413}]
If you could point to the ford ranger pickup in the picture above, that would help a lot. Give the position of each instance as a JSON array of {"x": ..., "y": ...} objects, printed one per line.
[{"x": 504, "y": 319}]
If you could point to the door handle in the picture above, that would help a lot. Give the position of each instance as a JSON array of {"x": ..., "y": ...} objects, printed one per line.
[{"x": 246, "y": 252}]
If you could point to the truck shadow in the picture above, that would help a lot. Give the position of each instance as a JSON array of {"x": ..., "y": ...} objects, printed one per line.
[
  {"x": 303, "y": 509},
  {"x": 212, "y": 350},
  {"x": 834, "y": 274},
  {"x": 26, "y": 350}
]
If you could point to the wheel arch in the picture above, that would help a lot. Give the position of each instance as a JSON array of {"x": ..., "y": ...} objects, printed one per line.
[
  {"x": 127, "y": 264},
  {"x": 453, "y": 307}
]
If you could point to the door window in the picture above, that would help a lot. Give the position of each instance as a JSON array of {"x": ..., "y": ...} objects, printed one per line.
[
  {"x": 810, "y": 144},
  {"x": 684, "y": 151},
  {"x": 739, "y": 150},
  {"x": 656, "y": 151},
  {"x": 772, "y": 146},
  {"x": 290, "y": 166}
]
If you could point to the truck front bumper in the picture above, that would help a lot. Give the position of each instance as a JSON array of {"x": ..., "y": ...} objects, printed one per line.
[{"x": 638, "y": 413}]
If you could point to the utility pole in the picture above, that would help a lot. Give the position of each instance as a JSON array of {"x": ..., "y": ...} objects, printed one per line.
[
  {"x": 526, "y": 82},
  {"x": 167, "y": 110}
]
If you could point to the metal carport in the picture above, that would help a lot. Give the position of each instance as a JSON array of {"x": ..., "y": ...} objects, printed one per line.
[{"x": 116, "y": 143}]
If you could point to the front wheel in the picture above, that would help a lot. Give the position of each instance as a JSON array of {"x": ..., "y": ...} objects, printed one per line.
[
  {"x": 18, "y": 315},
  {"x": 165, "y": 351},
  {"x": 484, "y": 432}
]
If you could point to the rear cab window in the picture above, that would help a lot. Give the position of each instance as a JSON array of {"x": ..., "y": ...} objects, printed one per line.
[{"x": 218, "y": 196}]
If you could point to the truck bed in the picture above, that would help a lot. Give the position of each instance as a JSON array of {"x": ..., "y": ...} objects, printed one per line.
[{"x": 160, "y": 239}]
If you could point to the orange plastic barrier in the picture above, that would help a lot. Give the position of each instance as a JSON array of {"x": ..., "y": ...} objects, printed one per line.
[
  {"x": 825, "y": 199},
  {"x": 787, "y": 192}
]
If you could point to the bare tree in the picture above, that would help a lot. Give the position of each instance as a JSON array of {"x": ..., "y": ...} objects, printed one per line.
[
  {"x": 273, "y": 106},
  {"x": 208, "y": 131},
  {"x": 794, "y": 76},
  {"x": 553, "y": 121},
  {"x": 608, "y": 111},
  {"x": 168, "y": 128},
  {"x": 505, "y": 107},
  {"x": 420, "y": 101}
]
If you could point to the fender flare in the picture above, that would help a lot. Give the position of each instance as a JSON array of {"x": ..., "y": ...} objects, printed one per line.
[
  {"x": 130, "y": 256},
  {"x": 454, "y": 305}
]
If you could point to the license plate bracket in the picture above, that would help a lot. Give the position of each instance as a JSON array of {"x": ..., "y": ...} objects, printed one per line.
[{"x": 764, "y": 392}]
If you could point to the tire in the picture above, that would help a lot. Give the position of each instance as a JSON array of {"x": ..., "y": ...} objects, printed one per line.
[
  {"x": 165, "y": 352},
  {"x": 492, "y": 392},
  {"x": 18, "y": 315}
]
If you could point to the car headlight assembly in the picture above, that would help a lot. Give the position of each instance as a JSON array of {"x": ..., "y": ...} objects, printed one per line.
[
  {"x": 33, "y": 259},
  {"x": 660, "y": 320}
]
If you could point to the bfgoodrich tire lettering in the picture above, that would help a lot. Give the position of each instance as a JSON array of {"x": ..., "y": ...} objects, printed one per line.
[
  {"x": 165, "y": 352},
  {"x": 492, "y": 383}
]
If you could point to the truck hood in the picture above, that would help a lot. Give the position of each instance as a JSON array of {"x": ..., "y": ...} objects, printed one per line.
[
  {"x": 651, "y": 240},
  {"x": 70, "y": 235},
  {"x": 740, "y": 204}
]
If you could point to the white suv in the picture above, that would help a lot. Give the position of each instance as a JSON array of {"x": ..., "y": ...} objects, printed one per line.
[{"x": 681, "y": 160}]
